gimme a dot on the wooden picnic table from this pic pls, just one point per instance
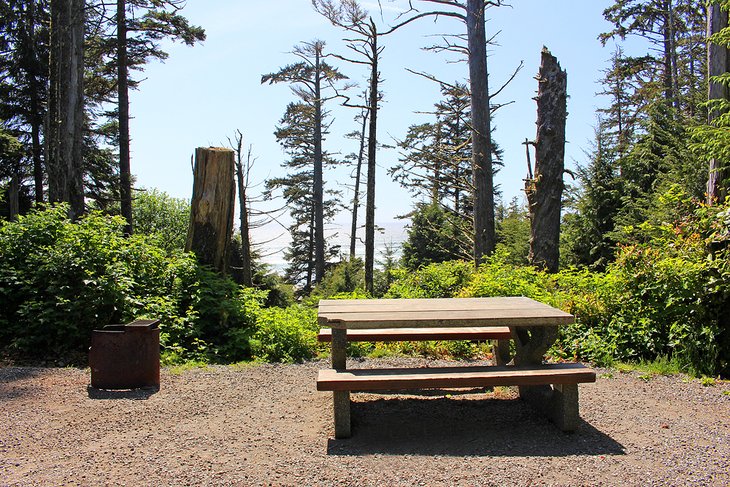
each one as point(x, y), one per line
point(532, 325)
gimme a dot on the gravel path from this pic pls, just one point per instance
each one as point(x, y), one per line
point(266, 425)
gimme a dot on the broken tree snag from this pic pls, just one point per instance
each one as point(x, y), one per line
point(545, 189)
point(212, 206)
point(718, 62)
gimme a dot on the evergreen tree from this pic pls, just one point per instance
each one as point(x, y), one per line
point(435, 166)
point(674, 30)
point(589, 231)
point(434, 236)
point(363, 41)
point(310, 78)
point(513, 232)
point(24, 55)
point(295, 134)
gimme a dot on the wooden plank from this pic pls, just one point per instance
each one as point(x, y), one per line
point(434, 319)
point(454, 312)
point(452, 377)
point(440, 304)
point(420, 334)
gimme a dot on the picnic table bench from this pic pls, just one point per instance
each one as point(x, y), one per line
point(552, 388)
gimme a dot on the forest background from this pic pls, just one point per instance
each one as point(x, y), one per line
point(643, 250)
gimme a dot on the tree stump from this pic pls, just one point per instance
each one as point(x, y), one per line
point(545, 190)
point(212, 206)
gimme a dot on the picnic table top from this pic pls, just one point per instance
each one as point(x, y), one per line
point(442, 312)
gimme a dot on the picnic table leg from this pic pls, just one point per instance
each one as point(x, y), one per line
point(558, 402)
point(532, 342)
point(501, 352)
point(341, 399)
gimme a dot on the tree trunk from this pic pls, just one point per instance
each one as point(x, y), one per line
point(14, 197)
point(673, 56)
point(318, 193)
point(358, 174)
point(246, 272)
point(717, 62)
point(484, 233)
point(66, 105)
point(667, 54)
point(212, 207)
point(310, 254)
point(36, 94)
point(372, 148)
point(125, 173)
point(545, 191)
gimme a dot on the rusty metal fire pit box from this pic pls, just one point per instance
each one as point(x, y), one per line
point(126, 356)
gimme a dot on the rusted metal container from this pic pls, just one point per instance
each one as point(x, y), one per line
point(126, 356)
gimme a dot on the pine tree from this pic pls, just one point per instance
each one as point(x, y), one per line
point(310, 79)
point(350, 16)
point(588, 235)
point(24, 76)
point(674, 30)
point(295, 134)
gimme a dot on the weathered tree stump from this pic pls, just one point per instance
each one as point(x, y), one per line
point(545, 190)
point(212, 206)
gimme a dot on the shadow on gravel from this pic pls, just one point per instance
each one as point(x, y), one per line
point(9, 375)
point(135, 394)
point(464, 427)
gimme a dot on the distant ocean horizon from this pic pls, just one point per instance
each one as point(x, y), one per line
point(272, 241)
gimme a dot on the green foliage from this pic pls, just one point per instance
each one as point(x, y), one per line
point(345, 277)
point(664, 296)
point(285, 334)
point(443, 280)
point(496, 277)
point(162, 218)
point(434, 236)
point(513, 232)
point(60, 280)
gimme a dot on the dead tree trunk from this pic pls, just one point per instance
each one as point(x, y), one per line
point(484, 232)
point(125, 172)
point(212, 207)
point(545, 190)
point(242, 180)
point(358, 175)
point(717, 62)
point(66, 105)
point(372, 149)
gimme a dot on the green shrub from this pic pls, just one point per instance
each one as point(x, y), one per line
point(285, 334)
point(495, 277)
point(444, 280)
point(59, 280)
point(161, 217)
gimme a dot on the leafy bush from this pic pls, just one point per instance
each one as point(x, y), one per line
point(161, 217)
point(443, 280)
point(285, 334)
point(498, 278)
point(666, 297)
point(59, 280)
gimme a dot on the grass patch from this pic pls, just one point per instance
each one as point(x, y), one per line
point(244, 365)
point(649, 369)
point(179, 369)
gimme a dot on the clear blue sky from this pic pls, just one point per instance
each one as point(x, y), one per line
point(201, 95)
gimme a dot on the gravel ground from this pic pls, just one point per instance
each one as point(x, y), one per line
point(266, 425)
